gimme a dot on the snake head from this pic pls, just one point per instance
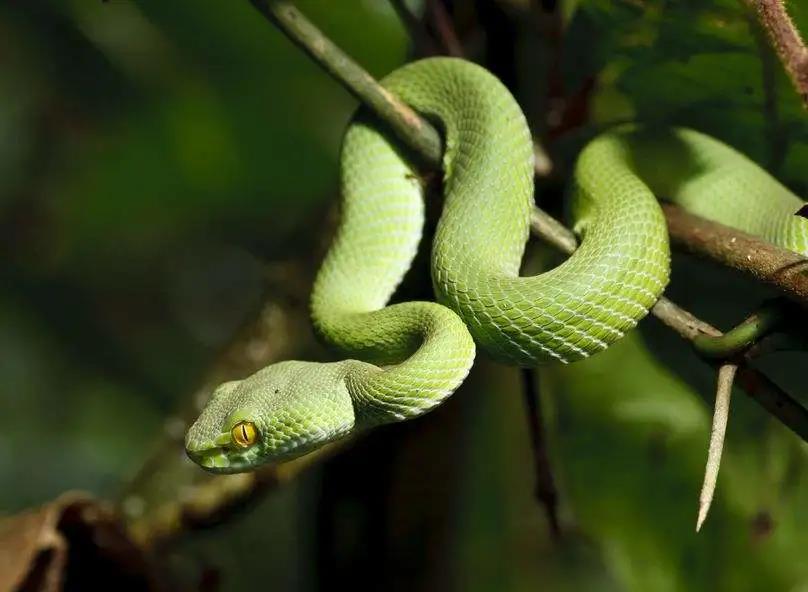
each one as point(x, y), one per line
point(278, 413)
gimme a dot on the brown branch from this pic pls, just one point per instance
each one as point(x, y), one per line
point(776, 135)
point(423, 43)
point(169, 495)
point(546, 492)
point(783, 269)
point(444, 28)
point(408, 126)
point(786, 40)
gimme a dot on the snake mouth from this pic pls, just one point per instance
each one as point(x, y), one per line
point(211, 458)
point(212, 455)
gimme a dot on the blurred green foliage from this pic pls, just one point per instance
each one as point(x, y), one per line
point(150, 153)
point(153, 155)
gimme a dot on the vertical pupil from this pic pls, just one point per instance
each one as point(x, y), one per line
point(244, 433)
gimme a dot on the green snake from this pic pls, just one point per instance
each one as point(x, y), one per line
point(404, 359)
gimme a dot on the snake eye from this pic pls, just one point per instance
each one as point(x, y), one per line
point(244, 434)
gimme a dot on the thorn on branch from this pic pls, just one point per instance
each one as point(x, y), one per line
point(726, 376)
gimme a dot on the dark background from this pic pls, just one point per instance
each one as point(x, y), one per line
point(166, 166)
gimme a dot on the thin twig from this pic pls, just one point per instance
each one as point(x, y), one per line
point(442, 22)
point(740, 344)
point(546, 491)
point(726, 376)
point(754, 382)
point(786, 40)
point(408, 126)
point(423, 43)
point(774, 400)
point(776, 133)
point(552, 231)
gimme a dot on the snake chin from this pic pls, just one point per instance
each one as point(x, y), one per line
point(216, 459)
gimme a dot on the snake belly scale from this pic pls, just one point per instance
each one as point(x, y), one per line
point(404, 359)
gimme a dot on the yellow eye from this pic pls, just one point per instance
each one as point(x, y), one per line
point(244, 434)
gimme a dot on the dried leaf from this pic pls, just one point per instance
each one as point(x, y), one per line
point(73, 542)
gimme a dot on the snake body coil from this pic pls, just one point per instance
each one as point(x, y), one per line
point(415, 354)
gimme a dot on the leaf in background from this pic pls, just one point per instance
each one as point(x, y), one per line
point(696, 64)
point(631, 446)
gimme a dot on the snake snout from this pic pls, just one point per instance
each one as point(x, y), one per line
point(205, 451)
point(210, 458)
point(214, 457)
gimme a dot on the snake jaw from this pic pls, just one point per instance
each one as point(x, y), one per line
point(214, 459)
point(211, 453)
point(215, 455)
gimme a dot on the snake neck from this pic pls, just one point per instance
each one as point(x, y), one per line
point(412, 357)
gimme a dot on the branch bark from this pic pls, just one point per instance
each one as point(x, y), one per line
point(545, 489)
point(169, 495)
point(786, 40)
point(780, 268)
point(407, 125)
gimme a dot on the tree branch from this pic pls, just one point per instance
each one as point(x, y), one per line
point(445, 30)
point(783, 269)
point(545, 489)
point(408, 126)
point(169, 495)
point(415, 29)
point(786, 40)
